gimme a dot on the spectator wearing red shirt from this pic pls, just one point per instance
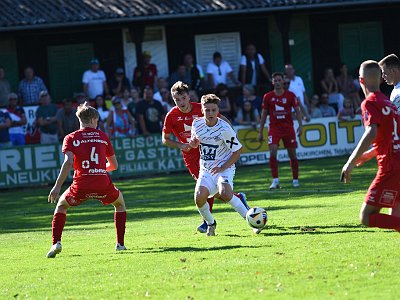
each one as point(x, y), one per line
point(145, 75)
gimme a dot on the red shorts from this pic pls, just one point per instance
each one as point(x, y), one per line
point(75, 196)
point(384, 190)
point(288, 136)
point(193, 168)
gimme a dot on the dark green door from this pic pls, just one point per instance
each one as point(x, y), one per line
point(8, 59)
point(359, 42)
point(66, 66)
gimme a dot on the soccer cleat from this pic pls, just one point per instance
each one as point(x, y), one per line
point(54, 250)
point(257, 230)
point(203, 227)
point(243, 198)
point(296, 183)
point(275, 185)
point(119, 247)
point(211, 229)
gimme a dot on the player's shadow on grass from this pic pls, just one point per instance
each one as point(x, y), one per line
point(311, 230)
point(196, 249)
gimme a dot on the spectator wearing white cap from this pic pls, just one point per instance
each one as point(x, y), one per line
point(94, 80)
point(18, 120)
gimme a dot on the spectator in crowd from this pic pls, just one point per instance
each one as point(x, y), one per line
point(101, 107)
point(347, 112)
point(303, 108)
point(296, 85)
point(252, 67)
point(179, 75)
point(135, 100)
point(120, 123)
point(119, 83)
point(46, 117)
point(150, 113)
point(94, 80)
point(145, 74)
point(218, 72)
point(325, 108)
point(195, 73)
point(194, 97)
point(167, 102)
point(225, 106)
point(80, 98)
point(248, 115)
point(18, 120)
point(5, 88)
point(161, 83)
point(313, 109)
point(30, 87)
point(330, 87)
point(347, 87)
point(135, 95)
point(5, 124)
point(67, 121)
point(248, 94)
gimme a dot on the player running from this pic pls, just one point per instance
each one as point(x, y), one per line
point(219, 150)
point(179, 123)
point(381, 120)
point(278, 105)
point(390, 66)
point(91, 154)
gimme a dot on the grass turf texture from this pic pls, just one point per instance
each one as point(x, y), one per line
point(314, 247)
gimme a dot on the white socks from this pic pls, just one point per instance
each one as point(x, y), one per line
point(206, 214)
point(238, 206)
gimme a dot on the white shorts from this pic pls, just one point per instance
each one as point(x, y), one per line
point(213, 182)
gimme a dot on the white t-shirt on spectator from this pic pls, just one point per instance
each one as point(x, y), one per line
point(243, 62)
point(395, 96)
point(297, 87)
point(220, 73)
point(94, 82)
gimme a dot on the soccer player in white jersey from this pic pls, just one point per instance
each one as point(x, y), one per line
point(390, 66)
point(219, 150)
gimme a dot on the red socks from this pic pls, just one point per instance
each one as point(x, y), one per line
point(294, 164)
point(384, 221)
point(273, 164)
point(120, 221)
point(57, 226)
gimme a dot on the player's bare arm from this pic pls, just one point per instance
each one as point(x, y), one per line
point(363, 145)
point(299, 118)
point(263, 119)
point(194, 142)
point(233, 159)
point(112, 163)
point(366, 156)
point(65, 168)
point(167, 141)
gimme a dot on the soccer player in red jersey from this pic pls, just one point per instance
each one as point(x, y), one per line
point(278, 105)
point(91, 154)
point(382, 131)
point(178, 122)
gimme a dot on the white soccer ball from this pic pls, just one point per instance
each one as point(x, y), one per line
point(257, 217)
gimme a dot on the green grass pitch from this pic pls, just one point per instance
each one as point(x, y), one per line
point(314, 247)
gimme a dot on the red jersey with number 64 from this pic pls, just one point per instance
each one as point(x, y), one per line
point(378, 109)
point(90, 147)
point(279, 108)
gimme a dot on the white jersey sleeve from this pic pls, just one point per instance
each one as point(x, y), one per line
point(230, 139)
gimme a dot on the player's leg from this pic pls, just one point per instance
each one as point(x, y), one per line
point(273, 164)
point(120, 221)
point(194, 170)
point(225, 184)
point(57, 225)
point(370, 216)
point(294, 164)
point(200, 197)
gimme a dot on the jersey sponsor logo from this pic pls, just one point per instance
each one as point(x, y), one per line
point(96, 171)
point(71, 200)
point(179, 119)
point(284, 100)
point(207, 151)
point(188, 118)
point(90, 134)
point(279, 108)
point(76, 143)
point(388, 197)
